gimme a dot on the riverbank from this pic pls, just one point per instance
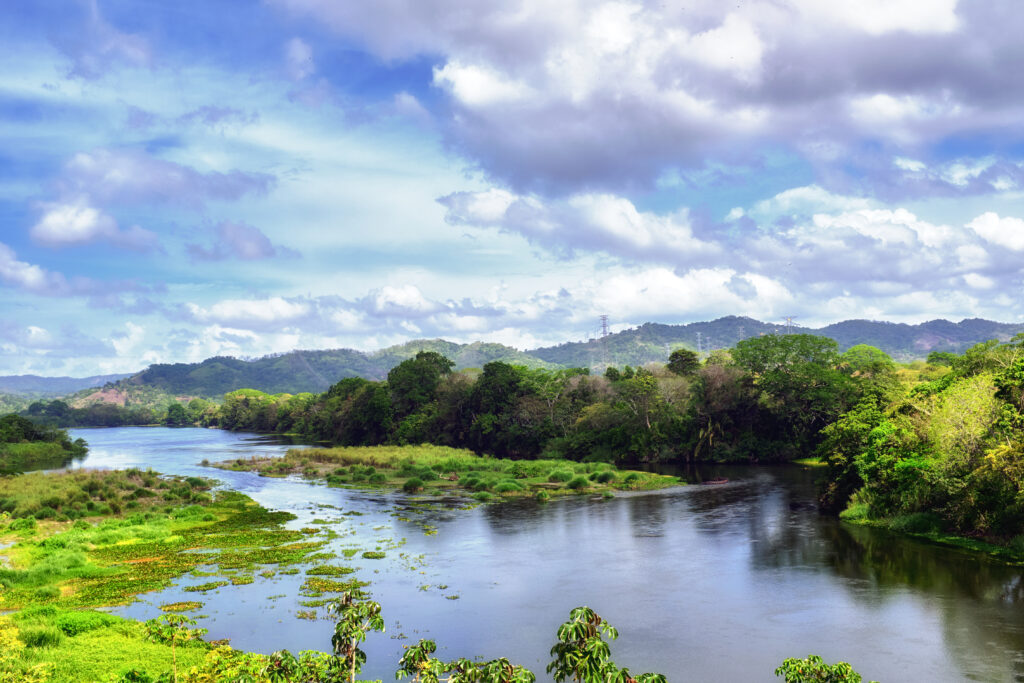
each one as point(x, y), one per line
point(926, 527)
point(79, 541)
point(439, 470)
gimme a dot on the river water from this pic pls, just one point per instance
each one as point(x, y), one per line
point(704, 583)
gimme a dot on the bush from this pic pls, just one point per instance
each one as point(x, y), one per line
point(631, 478)
point(40, 636)
point(560, 475)
point(542, 496)
point(578, 483)
point(507, 487)
point(917, 523)
point(73, 623)
point(482, 496)
point(604, 477)
point(413, 485)
point(23, 524)
point(378, 478)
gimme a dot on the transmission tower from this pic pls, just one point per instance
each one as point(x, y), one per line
point(604, 326)
point(789, 324)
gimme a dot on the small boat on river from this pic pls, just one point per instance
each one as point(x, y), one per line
point(710, 482)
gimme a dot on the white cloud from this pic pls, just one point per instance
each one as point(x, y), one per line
point(65, 224)
point(1006, 232)
point(250, 313)
point(478, 85)
point(586, 221)
point(28, 276)
point(884, 16)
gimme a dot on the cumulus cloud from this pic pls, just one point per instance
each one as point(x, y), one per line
point(251, 314)
point(582, 222)
point(602, 94)
point(74, 223)
point(238, 241)
point(30, 277)
point(1004, 232)
point(813, 244)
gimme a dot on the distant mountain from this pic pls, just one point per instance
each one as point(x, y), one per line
point(313, 371)
point(52, 386)
point(652, 342)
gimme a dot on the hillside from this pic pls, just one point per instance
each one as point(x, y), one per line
point(299, 371)
point(315, 371)
point(653, 341)
point(34, 385)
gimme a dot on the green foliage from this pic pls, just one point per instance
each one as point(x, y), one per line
point(684, 362)
point(813, 669)
point(356, 618)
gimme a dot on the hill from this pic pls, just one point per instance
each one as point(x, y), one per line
point(34, 385)
point(300, 371)
point(652, 342)
point(314, 371)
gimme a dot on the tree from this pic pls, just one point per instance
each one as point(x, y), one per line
point(814, 670)
point(684, 362)
point(356, 619)
point(582, 654)
point(173, 629)
point(177, 416)
point(413, 383)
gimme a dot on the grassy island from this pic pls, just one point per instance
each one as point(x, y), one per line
point(440, 470)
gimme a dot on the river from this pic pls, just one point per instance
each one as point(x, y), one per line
point(704, 583)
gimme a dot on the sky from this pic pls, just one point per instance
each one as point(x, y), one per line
point(180, 180)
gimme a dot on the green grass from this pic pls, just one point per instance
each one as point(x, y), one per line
point(97, 645)
point(809, 462)
point(110, 561)
point(438, 469)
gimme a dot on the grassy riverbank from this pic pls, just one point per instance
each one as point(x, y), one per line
point(438, 470)
point(928, 527)
point(81, 540)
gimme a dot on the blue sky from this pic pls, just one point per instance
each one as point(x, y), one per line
point(181, 180)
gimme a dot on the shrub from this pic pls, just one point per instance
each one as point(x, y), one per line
point(45, 512)
point(631, 478)
point(507, 487)
point(542, 496)
point(560, 475)
point(73, 623)
point(482, 496)
point(378, 478)
point(40, 636)
point(604, 477)
point(412, 485)
point(917, 523)
point(577, 483)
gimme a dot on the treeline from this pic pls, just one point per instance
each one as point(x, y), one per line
point(58, 413)
point(940, 456)
point(764, 400)
point(25, 445)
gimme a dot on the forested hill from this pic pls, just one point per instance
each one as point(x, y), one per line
point(310, 371)
point(315, 371)
point(35, 385)
point(652, 342)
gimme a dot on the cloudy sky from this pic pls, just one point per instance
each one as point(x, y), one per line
point(192, 178)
